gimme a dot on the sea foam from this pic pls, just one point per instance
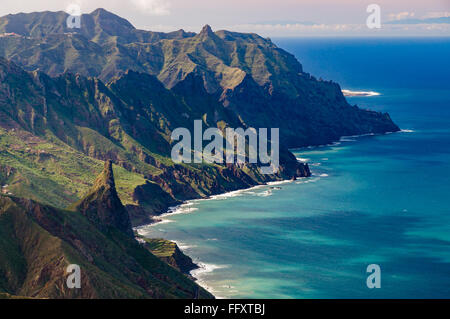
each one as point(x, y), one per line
point(360, 93)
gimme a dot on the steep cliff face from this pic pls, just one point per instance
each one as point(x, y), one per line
point(39, 242)
point(55, 132)
point(102, 205)
point(72, 99)
point(261, 83)
point(170, 253)
point(316, 114)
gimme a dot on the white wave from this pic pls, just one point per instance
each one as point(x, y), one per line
point(307, 181)
point(229, 194)
point(239, 192)
point(303, 160)
point(228, 286)
point(324, 145)
point(407, 131)
point(315, 164)
point(264, 194)
point(183, 246)
point(164, 221)
point(356, 136)
point(360, 93)
point(184, 208)
point(201, 271)
point(348, 138)
point(323, 175)
point(140, 240)
point(205, 268)
point(279, 182)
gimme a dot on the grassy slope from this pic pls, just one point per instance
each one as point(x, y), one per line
point(42, 241)
point(55, 173)
point(170, 253)
point(54, 131)
point(160, 247)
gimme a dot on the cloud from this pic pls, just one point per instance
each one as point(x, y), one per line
point(401, 15)
point(437, 14)
point(293, 29)
point(272, 30)
point(153, 7)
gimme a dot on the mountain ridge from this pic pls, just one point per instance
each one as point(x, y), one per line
point(102, 205)
point(225, 61)
point(40, 242)
point(63, 126)
point(103, 101)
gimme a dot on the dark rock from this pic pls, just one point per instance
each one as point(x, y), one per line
point(102, 205)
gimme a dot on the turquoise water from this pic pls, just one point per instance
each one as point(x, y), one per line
point(372, 200)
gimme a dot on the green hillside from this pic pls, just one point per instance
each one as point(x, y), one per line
point(72, 100)
point(55, 133)
point(40, 241)
point(262, 84)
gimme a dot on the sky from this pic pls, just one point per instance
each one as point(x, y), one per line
point(266, 17)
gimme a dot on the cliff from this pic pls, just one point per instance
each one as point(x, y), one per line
point(72, 99)
point(39, 242)
point(170, 253)
point(56, 133)
point(102, 205)
point(259, 82)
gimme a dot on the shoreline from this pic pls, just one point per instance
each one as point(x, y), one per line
point(349, 138)
point(181, 208)
point(202, 267)
point(172, 210)
point(350, 93)
point(178, 209)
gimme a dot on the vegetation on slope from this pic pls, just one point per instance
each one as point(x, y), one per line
point(55, 131)
point(262, 84)
point(169, 252)
point(40, 241)
point(59, 122)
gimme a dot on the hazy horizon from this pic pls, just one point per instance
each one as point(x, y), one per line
point(288, 18)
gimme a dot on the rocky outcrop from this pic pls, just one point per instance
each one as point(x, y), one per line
point(102, 206)
point(262, 84)
point(40, 241)
point(129, 122)
point(151, 200)
point(170, 253)
point(181, 261)
point(156, 85)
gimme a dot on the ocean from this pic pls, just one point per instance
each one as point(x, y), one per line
point(381, 199)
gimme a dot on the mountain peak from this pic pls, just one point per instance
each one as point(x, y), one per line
point(113, 20)
point(102, 205)
point(99, 11)
point(106, 177)
point(206, 31)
